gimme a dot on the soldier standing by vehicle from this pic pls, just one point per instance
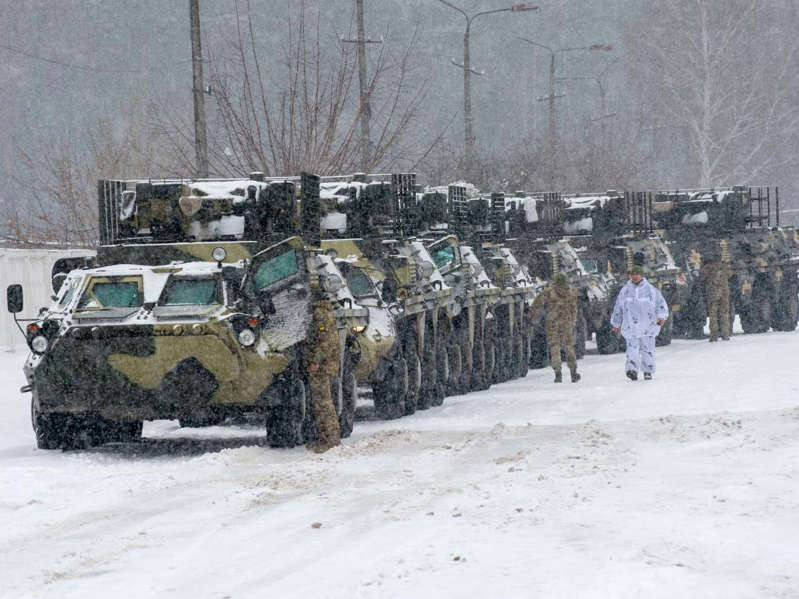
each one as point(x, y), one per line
point(559, 304)
point(716, 277)
point(639, 312)
point(321, 360)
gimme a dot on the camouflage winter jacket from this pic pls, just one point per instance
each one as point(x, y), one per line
point(716, 277)
point(559, 306)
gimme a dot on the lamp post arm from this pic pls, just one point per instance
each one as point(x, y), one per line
point(531, 42)
point(453, 7)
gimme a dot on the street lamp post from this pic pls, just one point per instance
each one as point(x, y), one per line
point(468, 118)
point(551, 95)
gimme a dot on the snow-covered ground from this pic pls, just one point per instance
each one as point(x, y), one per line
point(685, 486)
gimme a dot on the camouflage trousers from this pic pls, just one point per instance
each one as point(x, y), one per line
point(328, 433)
point(718, 312)
point(640, 354)
point(561, 338)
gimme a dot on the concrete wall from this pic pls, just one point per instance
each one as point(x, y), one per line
point(31, 268)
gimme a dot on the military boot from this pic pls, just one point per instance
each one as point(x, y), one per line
point(713, 339)
point(725, 338)
point(632, 375)
point(575, 376)
point(647, 376)
point(558, 376)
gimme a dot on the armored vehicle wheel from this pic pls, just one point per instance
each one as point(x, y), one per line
point(606, 340)
point(786, 309)
point(478, 381)
point(284, 421)
point(692, 315)
point(757, 317)
point(50, 429)
point(580, 337)
point(525, 366)
point(439, 391)
point(429, 376)
point(456, 363)
point(664, 337)
point(390, 395)
point(519, 357)
point(414, 386)
point(538, 350)
point(349, 389)
point(499, 364)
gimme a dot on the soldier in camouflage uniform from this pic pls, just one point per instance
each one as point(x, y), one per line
point(716, 277)
point(558, 302)
point(321, 360)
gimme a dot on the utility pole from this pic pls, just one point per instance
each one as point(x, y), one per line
point(200, 137)
point(367, 151)
point(468, 118)
point(552, 96)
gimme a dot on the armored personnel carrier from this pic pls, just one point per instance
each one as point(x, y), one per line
point(192, 341)
point(738, 225)
point(475, 295)
point(192, 356)
point(538, 226)
point(368, 223)
point(501, 341)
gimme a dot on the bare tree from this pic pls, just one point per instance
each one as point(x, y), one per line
point(303, 113)
point(723, 73)
point(60, 182)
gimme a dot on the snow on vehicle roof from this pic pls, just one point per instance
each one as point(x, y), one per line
point(223, 189)
point(340, 189)
point(528, 203)
point(582, 202)
point(472, 191)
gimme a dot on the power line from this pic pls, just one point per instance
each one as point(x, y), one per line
point(76, 67)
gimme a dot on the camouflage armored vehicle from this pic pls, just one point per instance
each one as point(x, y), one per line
point(735, 225)
point(367, 221)
point(539, 230)
point(475, 295)
point(502, 337)
point(197, 357)
point(510, 313)
point(192, 341)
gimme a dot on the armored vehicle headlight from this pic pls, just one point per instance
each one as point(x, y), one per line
point(360, 328)
point(39, 344)
point(219, 254)
point(427, 269)
point(332, 283)
point(247, 337)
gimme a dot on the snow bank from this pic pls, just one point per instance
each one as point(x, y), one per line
point(686, 488)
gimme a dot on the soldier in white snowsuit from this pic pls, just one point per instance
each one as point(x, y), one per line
point(639, 312)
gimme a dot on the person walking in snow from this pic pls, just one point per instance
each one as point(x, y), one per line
point(639, 312)
point(559, 305)
point(716, 276)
